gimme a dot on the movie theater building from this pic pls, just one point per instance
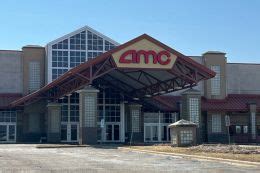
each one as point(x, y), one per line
point(86, 88)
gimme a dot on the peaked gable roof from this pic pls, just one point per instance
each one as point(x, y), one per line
point(66, 36)
point(207, 73)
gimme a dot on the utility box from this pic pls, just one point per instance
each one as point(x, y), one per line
point(183, 133)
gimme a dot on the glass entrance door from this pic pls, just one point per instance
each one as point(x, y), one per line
point(151, 133)
point(112, 132)
point(165, 133)
point(3, 133)
point(69, 132)
point(7, 132)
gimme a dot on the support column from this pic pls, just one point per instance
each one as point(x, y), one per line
point(122, 122)
point(88, 115)
point(54, 118)
point(19, 125)
point(252, 123)
point(135, 114)
point(191, 111)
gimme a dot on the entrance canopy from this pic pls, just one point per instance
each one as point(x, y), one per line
point(140, 68)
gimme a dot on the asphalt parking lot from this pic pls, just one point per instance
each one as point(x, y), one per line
point(28, 158)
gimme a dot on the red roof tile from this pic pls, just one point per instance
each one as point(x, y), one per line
point(233, 102)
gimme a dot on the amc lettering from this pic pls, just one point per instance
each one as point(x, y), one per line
point(162, 57)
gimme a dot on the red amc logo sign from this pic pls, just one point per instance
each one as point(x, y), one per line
point(144, 54)
point(146, 57)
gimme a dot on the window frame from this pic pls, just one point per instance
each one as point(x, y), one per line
point(216, 81)
point(34, 76)
point(194, 110)
point(216, 126)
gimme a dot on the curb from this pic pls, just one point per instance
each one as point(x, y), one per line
point(193, 156)
point(59, 146)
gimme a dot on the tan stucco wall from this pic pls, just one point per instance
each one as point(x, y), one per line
point(210, 59)
point(29, 54)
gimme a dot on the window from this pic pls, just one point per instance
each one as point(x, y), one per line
point(238, 130)
point(7, 125)
point(7, 116)
point(74, 98)
point(245, 129)
point(151, 117)
point(258, 130)
point(70, 108)
point(78, 41)
point(112, 113)
point(253, 129)
point(174, 138)
point(108, 46)
point(109, 105)
point(61, 45)
point(59, 58)
point(95, 45)
point(168, 117)
point(34, 76)
point(215, 82)
point(77, 58)
point(94, 42)
point(89, 114)
point(74, 113)
point(92, 54)
point(194, 110)
point(58, 72)
point(241, 129)
point(216, 123)
point(135, 120)
point(64, 113)
point(186, 136)
point(76, 49)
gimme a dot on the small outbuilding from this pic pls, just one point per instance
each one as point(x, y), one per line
point(183, 133)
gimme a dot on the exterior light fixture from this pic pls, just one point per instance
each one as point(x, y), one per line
point(162, 92)
point(135, 98)
point(148, 95)
point(178, 88)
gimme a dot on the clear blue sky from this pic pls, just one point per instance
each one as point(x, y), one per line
point(189, 26)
